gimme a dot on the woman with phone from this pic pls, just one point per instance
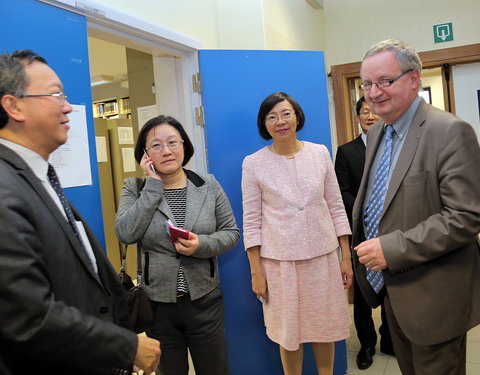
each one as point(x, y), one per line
point(294, 225)
point(182, 221)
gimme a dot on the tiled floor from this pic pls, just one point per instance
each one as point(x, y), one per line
point(387, 365)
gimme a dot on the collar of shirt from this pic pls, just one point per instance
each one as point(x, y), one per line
point(37, 164)
point(364, 138)
point(402, 125)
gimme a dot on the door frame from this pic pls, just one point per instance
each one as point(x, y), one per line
point(342, 73)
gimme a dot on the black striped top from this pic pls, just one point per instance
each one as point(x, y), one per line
point(177, 201)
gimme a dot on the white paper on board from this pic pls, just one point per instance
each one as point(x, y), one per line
point(72, 160)
point(125, 135)
point(146, 113)
point(128, 159)
point(101, 144)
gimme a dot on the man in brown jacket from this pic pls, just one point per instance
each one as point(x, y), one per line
point(415, 229)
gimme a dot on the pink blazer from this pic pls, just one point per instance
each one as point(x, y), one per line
point(288, 219)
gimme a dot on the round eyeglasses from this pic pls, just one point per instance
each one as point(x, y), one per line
point(158, 147)
point(273, 119)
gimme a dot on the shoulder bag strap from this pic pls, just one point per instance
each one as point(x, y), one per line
point(140, 185)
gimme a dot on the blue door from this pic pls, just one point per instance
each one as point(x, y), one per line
point(234, 85)
point(59, 36)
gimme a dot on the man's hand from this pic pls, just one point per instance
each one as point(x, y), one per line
point(148, 354)
point(370, 254)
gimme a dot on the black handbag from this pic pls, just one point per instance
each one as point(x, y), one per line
point(139, 307)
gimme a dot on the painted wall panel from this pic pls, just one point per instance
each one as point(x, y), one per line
point(234, 85)
point(61, 37)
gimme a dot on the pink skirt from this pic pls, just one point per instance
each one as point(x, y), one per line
point(306, 301)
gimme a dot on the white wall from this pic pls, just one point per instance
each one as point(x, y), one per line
point(292, 24)
point(467, 83)
point(235, 24)
point(345, 29)
point(352, 26)
point(216, 23)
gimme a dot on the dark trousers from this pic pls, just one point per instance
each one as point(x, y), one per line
point(447, 358)
point(193, 325)
point(362, 317)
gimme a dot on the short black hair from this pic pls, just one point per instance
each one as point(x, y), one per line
point(13, 79)
point(160, 120)
point(271, 101)
point(359, 105)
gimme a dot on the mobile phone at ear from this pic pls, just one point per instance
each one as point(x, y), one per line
point(151, 165)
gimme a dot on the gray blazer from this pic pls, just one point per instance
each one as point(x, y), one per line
point(57, 316)
point(429, 228)
point(208, 214)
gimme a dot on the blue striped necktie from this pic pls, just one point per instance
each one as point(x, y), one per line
point(55, 182)
point(373, 212)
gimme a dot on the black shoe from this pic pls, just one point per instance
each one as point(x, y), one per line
point(365, 357)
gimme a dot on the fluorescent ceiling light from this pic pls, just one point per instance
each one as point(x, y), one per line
point(101, 79)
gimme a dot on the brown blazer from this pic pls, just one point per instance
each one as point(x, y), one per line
point(429, 228)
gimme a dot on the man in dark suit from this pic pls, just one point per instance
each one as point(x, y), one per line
point(62, 307)
point(349, 164)
point(417, 217)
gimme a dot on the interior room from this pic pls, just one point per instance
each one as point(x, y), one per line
point(148, 58)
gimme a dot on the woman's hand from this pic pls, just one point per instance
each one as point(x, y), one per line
point(347, 272)
point(346, 262)
point(146, 163)
point(187, 247)
point(259, 287)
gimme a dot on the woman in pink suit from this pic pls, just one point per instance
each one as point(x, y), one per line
point(294, 223)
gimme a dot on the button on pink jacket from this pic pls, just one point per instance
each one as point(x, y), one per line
point(288, 219)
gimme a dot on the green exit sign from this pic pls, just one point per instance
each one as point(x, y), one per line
point(443, 32)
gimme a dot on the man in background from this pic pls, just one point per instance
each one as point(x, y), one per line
point(62, 307)
point(417, 216)
point(349, 164)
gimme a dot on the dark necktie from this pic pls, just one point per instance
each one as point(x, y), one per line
point(373, 212)
point(55, 182)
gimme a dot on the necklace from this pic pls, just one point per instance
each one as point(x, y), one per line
point(289, 156)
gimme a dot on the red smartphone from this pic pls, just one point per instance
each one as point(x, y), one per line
point(176, 232)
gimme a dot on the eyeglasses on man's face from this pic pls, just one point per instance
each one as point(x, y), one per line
point(158, 147)
point(366, 112)
point(273, 119)
point(61, 97)
point(383, 83)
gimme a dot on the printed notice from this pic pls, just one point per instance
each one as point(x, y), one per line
point(101, 144)
point(72, 160)
point(146, 113)
point(125, 135)
point(128, 159)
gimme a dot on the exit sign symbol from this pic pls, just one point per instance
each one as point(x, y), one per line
point(443, 32)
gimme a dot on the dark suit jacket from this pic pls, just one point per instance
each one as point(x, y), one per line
point(57, 316)
point(429, 228)
point(349, 164)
